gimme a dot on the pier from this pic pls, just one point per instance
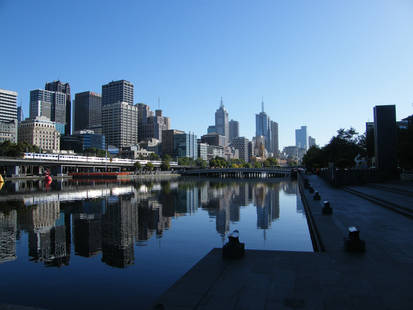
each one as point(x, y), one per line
point(330, 277)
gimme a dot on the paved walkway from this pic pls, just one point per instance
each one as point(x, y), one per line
point(378, 279)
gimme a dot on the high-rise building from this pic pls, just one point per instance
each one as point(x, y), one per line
point(233, 130)
point(263, 127)
point(20, 115)
point(50, 104)
point(213, 139)
point(301, 137)
point(8, 116)
point(117, 91)
point(120, 124)
point(185, 145)
point(221, 122)
point(144, 112)
point(154, 125)
point(311, 141)
point(88, 111)
point(211, 129)
point(168, 141)
point(40, 131)
point(202, 150)
point(64, 88)
point(385, 138)
point(241, 144)
point(274, 138)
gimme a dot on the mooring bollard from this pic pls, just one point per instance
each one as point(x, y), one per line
point(327, 210)
point(316, 196)
point(353, 243)
point(233, 248)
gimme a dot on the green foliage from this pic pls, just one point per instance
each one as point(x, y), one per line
point(165, 166)
point(270, 162)
point(149, 166)
point(10, 149)
point(94, 152)
point(153, 156)
point(137, 165)
point(218, 162)
point(166, 157)
point(201, 163)
point(258, 164)
point(186, 161)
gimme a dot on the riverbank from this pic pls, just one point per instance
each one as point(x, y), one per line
point(330, 279)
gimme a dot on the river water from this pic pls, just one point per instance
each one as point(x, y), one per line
point(72, 245)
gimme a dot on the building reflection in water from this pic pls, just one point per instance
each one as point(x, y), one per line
point(109, 220)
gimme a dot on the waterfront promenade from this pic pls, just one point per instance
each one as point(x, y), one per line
point(330, 279)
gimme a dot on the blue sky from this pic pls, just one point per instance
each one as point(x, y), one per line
point(324, 64)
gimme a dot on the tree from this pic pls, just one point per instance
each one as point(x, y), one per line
point(137, 165)
point(201, 163)
point(149, 166)
point(165, 165)
point(154, 156)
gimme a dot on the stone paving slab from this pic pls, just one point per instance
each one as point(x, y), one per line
point(380, 278)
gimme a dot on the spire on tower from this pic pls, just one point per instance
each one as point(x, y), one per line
point(222, 103)
point(262, 104)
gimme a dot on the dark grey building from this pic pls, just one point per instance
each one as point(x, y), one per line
point(117, 91)
point(50, 104)
point(64, 88)
point(213, 139)
point(88, 111)
point(233, 130)
point(385, 138)
point(274, 138)
point(241, 144)
point(20, 115)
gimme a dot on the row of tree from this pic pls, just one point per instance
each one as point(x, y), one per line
point(347, 144)
point(11, 149)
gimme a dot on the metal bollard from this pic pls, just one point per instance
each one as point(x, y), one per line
point(233, 248)
point(316, 196)
point(353, 243)
point(327, 210)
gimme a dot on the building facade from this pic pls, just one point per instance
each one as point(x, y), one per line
point(168, 141)
point(49, 104)
point(202, 150)
point(64, 88)
point(301, 137)
point(120, 124)
point(213, 139)
point(154, 125)
point(40, 131)
point(275, 149)
point(263, 128)
point(83, 140)
point(88, 112)
point(185, 145)
point(8, 116)
point(117, 91)
point(20, 114)
point(233, 130)
point(221, 122)
point(311, 141)
point(241, 144)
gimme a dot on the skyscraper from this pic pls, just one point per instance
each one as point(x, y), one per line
point(241, 144)
point(50, 104)
point(221, 122)
point(144, 112)
point(274, 138)
point(88, 111)
point(301, 137)
point(8, 115)
point(233, 130)
point(263, 127)
point(117, 91)
point(20, 115)
point(154, 125)
point(311, 141)
point(120, 124)
point(185, 145)
point(64, 88)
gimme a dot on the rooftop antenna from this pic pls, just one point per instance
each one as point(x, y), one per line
point(262, 104)
point(222, 103)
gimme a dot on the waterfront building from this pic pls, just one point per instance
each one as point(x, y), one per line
point(202, 150)
point(49, 104)
point(168, 141)
point(241, 144)
point(120, 124)
point(233, 130)
point(88, 111)
point(117, 91)
point(274, 138)
point(39, 131)
point(385, 138)
point(135, 152)
point(83, 140)
point(215, 151)
point(144, 112)
point(221, 122)
point(230, 153)
point(213, 139)
point(311, 141)
point(64, 88)
point(8, 115)
point(301, 137)
point(185, 145)
point(263, 127)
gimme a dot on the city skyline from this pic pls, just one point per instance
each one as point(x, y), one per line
point(301, 67)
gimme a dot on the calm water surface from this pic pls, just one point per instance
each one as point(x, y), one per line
point(112, 245)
